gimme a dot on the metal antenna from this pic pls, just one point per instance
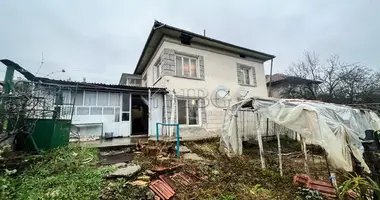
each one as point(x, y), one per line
point(42, 62)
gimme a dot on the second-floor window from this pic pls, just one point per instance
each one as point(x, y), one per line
point(186, 66)
point(246, 75)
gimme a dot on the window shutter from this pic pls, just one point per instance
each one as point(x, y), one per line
point(254, 83)
point(201, 68)
point(239, 75)
point(203, 111)
point(154, 74)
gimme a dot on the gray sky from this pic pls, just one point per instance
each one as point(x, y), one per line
point(101, 39)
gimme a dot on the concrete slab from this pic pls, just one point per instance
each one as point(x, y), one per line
point(183, 149)
point(132, 141)
point(187, 137)
point(192, 156)
point(127, 171)
point(115, 142)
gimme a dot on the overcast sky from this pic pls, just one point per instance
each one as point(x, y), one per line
point(100, 40)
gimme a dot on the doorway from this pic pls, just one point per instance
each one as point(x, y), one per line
point(140, 119)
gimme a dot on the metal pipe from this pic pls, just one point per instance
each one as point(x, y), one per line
point(149, 113)
point(270, 79)
point(166, 114)
point(279, 150)
point(177, 141)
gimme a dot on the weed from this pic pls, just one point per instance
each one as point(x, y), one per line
point(7, 185)
point(227, 197)
point(362, 186)
point(64, 173)
point(307, 194)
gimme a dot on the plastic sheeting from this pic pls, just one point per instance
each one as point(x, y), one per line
point(335, 128)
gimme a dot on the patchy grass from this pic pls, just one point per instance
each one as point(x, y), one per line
point(121, 189)
point(69, 172)
point(74, 173)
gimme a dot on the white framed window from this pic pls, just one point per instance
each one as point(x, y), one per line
point(186, 66)
point(188, 111)
point(125, 107)
point(100, 103)
point(132, 81)
point(246, 75)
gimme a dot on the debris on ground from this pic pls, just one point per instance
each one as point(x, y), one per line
point(127, 171)
point(144, 178)
point(205, 173)
point(325, 188)
point(162, 189)
point(140, 183)
point(192, 156)
point(183, 149)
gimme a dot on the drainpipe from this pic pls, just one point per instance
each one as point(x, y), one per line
point(166, 114)
point(270, 79)
point(149, 114)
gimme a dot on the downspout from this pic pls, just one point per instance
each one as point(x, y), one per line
point(270, 79)
point(166, 115)
point(174, 103)
point(149, 114)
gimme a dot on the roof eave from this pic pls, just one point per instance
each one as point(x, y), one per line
point(158, 25)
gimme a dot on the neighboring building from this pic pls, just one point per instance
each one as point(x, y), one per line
point(96, 109)
point(281, 82)
point(131, 79)
point(191, 67)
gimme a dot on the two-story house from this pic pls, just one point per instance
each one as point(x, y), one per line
point(192, 67)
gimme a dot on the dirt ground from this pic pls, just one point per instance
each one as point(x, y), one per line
point(221, 177)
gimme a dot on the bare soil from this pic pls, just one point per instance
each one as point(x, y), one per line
point(221, 177)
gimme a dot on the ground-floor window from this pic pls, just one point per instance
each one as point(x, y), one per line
point(188, 111)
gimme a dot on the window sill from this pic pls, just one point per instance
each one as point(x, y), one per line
point(246, 85)
point(189, 126)
point(189, 77)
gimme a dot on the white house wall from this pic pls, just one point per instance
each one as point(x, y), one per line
point(220, 68)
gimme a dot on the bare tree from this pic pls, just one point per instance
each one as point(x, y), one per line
point(340, 82)
point(307, 68)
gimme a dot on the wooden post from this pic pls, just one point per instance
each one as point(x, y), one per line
point(279, 149)
point(261, 143)
point(303, 143)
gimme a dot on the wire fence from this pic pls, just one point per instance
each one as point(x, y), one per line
point(32, 101)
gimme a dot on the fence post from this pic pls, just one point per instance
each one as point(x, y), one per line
point(157, 135)
point(177, 140)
